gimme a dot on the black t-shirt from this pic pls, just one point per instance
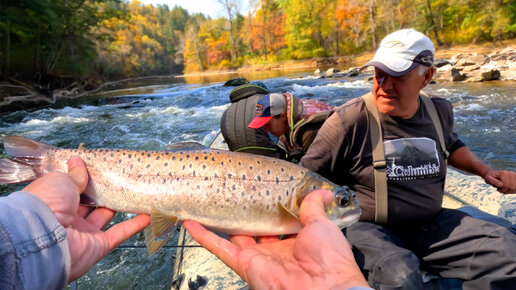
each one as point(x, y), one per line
point(416, 169)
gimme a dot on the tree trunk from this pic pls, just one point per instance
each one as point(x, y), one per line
point(336, 21)
point(7, 51)
point(263, 38)
point(38, 49)
point(372, 18)
point(430, 17)
point(229, 8)
point(198, 54)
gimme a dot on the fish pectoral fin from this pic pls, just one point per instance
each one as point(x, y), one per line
point(153, 245)
point(286, 212)
point(162, 224)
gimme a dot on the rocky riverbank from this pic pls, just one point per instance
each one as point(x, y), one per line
point(463, 66)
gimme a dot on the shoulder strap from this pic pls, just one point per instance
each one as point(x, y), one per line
point(298, 130)
point(379, 163)
point(430, 107)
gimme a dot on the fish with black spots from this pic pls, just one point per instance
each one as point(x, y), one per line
point(230, 192)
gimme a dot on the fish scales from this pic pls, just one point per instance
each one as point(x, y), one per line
point(232, 192)
point(221, 182)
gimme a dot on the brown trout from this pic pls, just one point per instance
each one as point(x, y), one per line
point(230, 192)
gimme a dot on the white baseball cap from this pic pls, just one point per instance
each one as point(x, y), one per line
point(401, 51)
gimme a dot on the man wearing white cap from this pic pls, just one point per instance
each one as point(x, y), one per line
point(392, 147)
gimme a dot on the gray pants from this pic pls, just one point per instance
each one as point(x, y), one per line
point(453, 245)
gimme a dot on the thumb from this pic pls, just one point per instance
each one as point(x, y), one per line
point(312, 207)
point(78, 172)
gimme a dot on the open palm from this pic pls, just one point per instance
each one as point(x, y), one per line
point(317, 257)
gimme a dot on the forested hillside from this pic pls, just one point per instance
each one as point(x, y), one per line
point(107, 39)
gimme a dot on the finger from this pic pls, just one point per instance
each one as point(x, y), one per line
point(119, 233)
point(267, 239)
point(508, 178)
point(496, 179)
point(222, 248)
point(78, 172)
point(243, 241)
point(84, 210)
point(100, 217)
point(312, 207)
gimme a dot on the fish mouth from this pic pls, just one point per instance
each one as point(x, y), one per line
point(348, 218)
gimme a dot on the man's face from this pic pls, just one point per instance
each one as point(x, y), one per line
point(277, 126)
point(398, 96)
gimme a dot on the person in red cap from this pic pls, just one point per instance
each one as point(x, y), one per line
point(294, 121)
point(271, 115)
point(392, 146)
point(234, 121)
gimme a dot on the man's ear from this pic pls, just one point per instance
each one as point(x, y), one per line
point(429, 74)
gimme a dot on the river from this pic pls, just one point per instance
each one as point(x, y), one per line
point(151, 113)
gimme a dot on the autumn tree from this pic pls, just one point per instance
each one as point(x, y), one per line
point(308, 27)
point(194, 50)
point(263, 31)
point(231, 10)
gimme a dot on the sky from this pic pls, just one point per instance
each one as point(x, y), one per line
point(208, 7)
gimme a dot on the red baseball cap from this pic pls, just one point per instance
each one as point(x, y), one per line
point(268, 106)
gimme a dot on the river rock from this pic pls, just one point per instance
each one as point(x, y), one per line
point(473, 67)
point(490, 75)
point(472, 59)
point(483, 75)
point(440, 62)
point(235, 82)
point(452, 75)
point(331, 71)
point(508, 75)
point(353, 72)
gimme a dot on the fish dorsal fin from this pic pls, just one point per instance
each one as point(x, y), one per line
point(286, 212)
point(82, 147)
point(162, 223)
point(186, 146)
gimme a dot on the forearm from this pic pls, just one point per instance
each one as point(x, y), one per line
point(34, 247)
point(465, 160)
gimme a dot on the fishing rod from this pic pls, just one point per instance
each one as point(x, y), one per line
point(457, 199)
point(143, 246)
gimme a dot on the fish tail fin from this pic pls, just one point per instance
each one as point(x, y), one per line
point(24, 161)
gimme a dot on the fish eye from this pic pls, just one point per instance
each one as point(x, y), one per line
point(343, 200)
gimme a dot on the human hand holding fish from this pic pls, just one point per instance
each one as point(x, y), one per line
point(86, 240)
point(318, 257)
